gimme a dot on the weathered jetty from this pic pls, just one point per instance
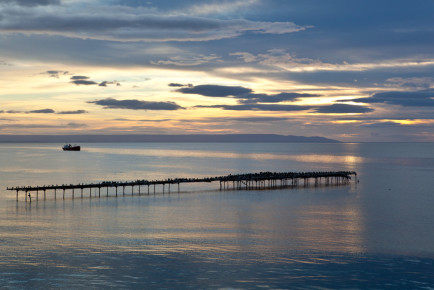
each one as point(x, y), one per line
point(262, 180)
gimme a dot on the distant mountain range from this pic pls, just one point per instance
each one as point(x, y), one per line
point(270, 138)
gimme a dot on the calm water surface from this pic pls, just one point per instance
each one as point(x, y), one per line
point(375, 234)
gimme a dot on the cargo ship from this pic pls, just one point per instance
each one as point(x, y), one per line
point(69, 147)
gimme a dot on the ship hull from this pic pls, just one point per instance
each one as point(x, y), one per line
point(72, 148)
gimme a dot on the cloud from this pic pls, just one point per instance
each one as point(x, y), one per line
point(76, 125)
point(31, 2)
point(225, 7)
point(277, 98)
point(55, 73)
point(73, 112)
point(260, 107)
point(42, 126)
point(43, 111)
point(84, 80)
point(79, 78)
point(414, 83)
point(122, 23)
point(215, 90)
point(187, 60)
point(290, 62)
point(258, 119)
point(3, 62)
point(424, 98)
point(111, 103)
point(179, 85)
point(343, 109)
point(49, 111)
point(105, 83)
point(242, 94)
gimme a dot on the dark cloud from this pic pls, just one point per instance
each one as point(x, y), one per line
point(79, 78)
point(258, 119)
point(13, 112)
point(43, 111)
point(244, 95)
point(76, 125)
point(143, 120)
point(216, 90)
point(105, 83)
point(73, 112)
point(158, 120)
point(260, 107)
point(423, 98)
point(342, 109)
point(42, 126)
point(32, 2)
point(277, 98)
point(84, 82)
point(111, 103)
point(56, 73)
point(180, 85)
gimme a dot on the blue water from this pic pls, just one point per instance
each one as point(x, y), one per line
point(375, 234)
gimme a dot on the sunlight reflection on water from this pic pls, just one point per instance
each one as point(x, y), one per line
point(311, 158)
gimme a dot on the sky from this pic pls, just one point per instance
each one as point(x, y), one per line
point(354, 71)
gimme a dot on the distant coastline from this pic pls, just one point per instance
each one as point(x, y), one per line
point(212, 138)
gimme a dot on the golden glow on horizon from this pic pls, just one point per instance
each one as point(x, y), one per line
point(27, 87)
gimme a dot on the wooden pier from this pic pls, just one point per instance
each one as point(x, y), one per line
point(248, 181)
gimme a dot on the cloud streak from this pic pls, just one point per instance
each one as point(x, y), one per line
point(285, 60)
point(423, 98)
point(31, 3)
point(110, 103)
point(77, 112)
point(242, 94)
point(43, 111)
point(130, 24)
point(260, 107)
point(343, 109)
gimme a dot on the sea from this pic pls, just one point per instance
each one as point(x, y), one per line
point(377, 232)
